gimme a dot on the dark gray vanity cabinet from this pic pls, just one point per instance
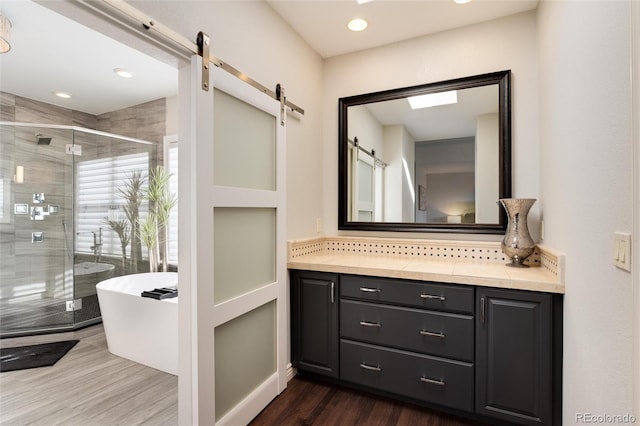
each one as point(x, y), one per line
point(515, 355)
point(487, 353)
point(412, 339)
point(314, 322)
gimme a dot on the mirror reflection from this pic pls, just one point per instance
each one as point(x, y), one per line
point(428, 157)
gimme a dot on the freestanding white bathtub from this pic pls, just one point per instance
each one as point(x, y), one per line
point(138, 328)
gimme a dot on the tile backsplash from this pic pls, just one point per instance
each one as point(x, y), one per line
point(439, 250)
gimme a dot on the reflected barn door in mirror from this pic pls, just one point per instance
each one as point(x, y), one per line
point(431, 158)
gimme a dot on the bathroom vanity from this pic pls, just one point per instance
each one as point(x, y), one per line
point(440, 324)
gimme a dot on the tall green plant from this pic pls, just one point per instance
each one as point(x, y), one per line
point(161, 201)
point(148, 230)
point(133, 192)
point(122, 227)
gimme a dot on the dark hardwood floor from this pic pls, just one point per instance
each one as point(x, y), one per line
point(307, 402)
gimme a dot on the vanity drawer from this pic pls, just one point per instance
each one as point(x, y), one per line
point(440, 381)
point(429, 332)
point(419, 294)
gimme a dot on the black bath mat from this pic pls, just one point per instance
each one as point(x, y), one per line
point(33, 356)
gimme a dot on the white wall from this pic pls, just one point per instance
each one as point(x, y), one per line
point(364, 126)
point(586, 176)
point(393, 185)
point(172, 115)
point(409, 197)
point(487, 179)
point(508, 43)
point(399, 175)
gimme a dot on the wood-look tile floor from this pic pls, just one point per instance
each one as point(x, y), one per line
point(88, 386)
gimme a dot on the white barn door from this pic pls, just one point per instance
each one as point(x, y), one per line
point(240, 254)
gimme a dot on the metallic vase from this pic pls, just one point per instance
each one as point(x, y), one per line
point(517, 242)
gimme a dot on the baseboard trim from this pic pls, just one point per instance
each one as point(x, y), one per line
point(291, 372)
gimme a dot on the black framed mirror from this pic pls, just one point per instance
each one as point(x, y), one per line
point(428, 158)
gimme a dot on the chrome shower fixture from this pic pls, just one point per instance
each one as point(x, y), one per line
point(43, 140)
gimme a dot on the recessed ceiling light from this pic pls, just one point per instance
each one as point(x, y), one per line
point(357, 24)
point(63, 95)
point(433, 99)
point(462, 1)
point(122, 72)
point(363, 1)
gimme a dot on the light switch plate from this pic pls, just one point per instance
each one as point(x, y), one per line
point(622, 250)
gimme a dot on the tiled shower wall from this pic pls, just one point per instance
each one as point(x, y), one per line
point(38, 270)
point(145, 121)
point(35, 269)
point(23, 110)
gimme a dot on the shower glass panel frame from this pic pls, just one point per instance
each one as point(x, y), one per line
point(59, 187)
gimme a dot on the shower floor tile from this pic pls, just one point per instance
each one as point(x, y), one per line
point(44, 314)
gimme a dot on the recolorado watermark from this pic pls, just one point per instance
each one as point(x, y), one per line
point(587, 418)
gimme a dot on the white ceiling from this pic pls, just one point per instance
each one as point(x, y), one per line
point(444, 122)
point(323, 23)
point(50, 52)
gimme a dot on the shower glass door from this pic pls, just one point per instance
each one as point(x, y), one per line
point(36, 228)
point(105, 167)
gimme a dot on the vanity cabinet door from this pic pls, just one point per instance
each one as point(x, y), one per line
point(314, 322)
point(514, 356)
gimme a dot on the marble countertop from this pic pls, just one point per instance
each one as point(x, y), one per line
point(499, 275)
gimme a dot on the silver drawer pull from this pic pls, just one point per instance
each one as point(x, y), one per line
point(430, 381)
point(433, 297)
point(370, 290)
point(432, 334)
point(370, 324)
point(370, 367)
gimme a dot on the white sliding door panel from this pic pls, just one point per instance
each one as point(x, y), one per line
point(244, 250)
point(251, 358)
point(246, 138)
point(241, 250)
point(363, 202)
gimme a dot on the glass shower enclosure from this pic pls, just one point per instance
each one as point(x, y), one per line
point(64, 225)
